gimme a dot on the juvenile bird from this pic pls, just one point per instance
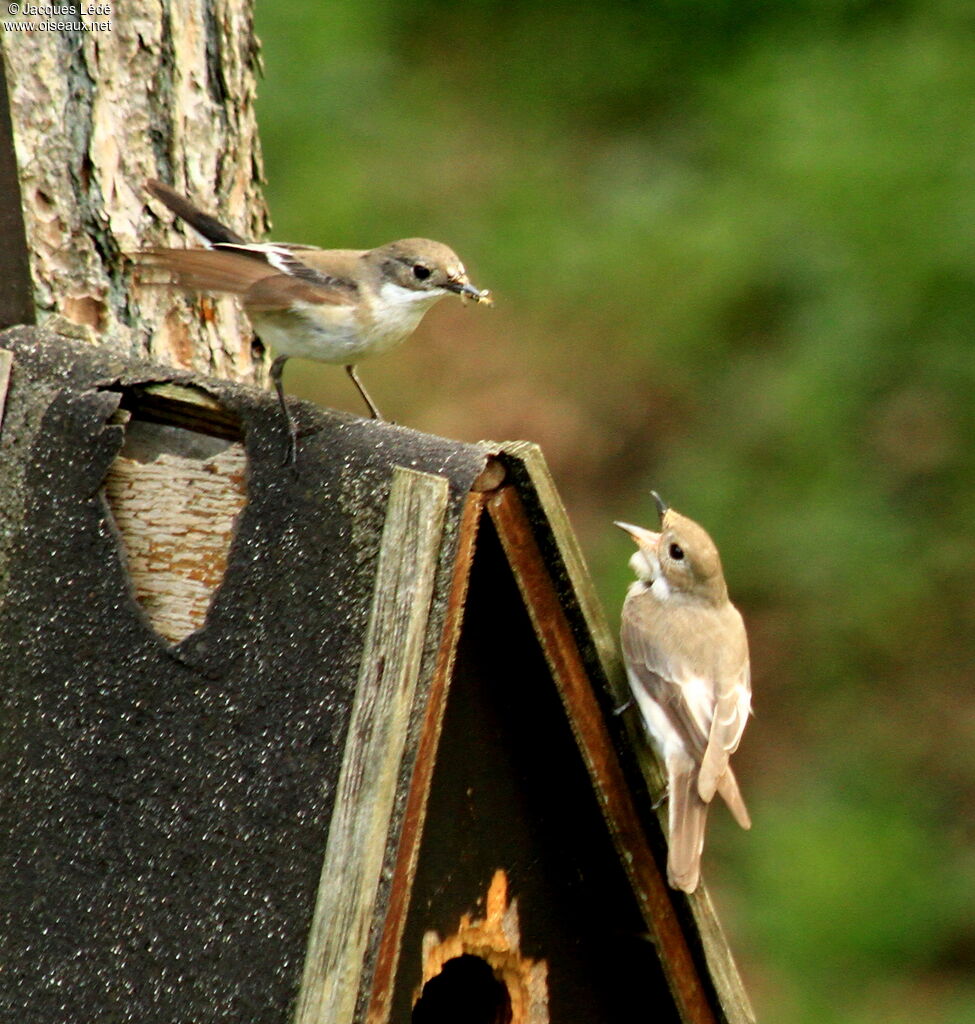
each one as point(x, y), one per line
point(686, 656)
point(333, 305)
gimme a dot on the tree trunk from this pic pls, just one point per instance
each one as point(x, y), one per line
point(161, 90)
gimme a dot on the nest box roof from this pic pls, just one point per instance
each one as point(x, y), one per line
point(311, 744)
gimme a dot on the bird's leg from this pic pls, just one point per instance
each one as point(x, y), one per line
point(662, 799)
point(373, 408)
point(277, 368)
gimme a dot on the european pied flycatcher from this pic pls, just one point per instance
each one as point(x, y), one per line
point(686, 656)
point(333, 305)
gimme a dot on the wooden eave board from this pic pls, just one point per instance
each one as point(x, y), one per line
point(571, 636)
point(507, 791)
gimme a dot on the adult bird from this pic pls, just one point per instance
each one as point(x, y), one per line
point(334, 305)
point(686, 655)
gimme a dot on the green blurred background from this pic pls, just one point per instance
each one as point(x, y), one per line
point(733, 250)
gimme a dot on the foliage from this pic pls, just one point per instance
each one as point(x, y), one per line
point(733, 246)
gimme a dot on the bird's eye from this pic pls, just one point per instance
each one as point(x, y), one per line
point(676, 552)
point(420, 272)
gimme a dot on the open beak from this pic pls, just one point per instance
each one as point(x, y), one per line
point(642, 537)
point(466, 290)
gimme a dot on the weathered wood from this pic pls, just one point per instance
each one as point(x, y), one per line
point(510, 790)
point(180, 405)
point(414, 820)
point(201, 779)
point(176, 517)
point(533, 466)
point(538, 485)
point(6, 362)
point(492, 476)
point(16, 293)
point(160, 90)
point(371, 764)
point(494, 938)
point(414, 816)
point(723, 970)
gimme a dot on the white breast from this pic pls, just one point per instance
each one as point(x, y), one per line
point(330, 334)
point(660, 588)
point(341, 333)
point(396, 313)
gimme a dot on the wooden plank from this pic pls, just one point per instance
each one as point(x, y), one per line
point(183, 394)
point(414, 816)
point(182, 405)
point(16, 286)
point(175, 500)
point(534, 471)
point(730, 991)
point(555, 634)
point(6, 362)
point(388, 673)
point(531, 458)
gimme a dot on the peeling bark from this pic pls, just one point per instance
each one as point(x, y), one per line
point(176, 517)
point(166, 91)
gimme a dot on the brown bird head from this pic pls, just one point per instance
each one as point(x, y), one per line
point(680, 560)
point(422, 265)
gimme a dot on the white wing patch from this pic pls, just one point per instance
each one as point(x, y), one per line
point(664, 737)
point(699, 697)
point(279, 258)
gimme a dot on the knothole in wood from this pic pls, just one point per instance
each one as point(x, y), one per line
point(466, 989)
point(479, 974)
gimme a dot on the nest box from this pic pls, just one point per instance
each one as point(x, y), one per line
point(320, 745)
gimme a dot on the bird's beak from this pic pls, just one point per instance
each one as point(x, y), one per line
point(643, 538)
point(662, 507)
point(463, 288)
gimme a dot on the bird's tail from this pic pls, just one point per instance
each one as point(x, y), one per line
point(687, 816)
point(209, 227)
point(730, 793)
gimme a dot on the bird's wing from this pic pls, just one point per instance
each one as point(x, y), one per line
point(731, 710)
point(681, 696)
point(731, 794)
point(266, 276)
point(326, 268)
point(732, 704)
point(727, 725)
